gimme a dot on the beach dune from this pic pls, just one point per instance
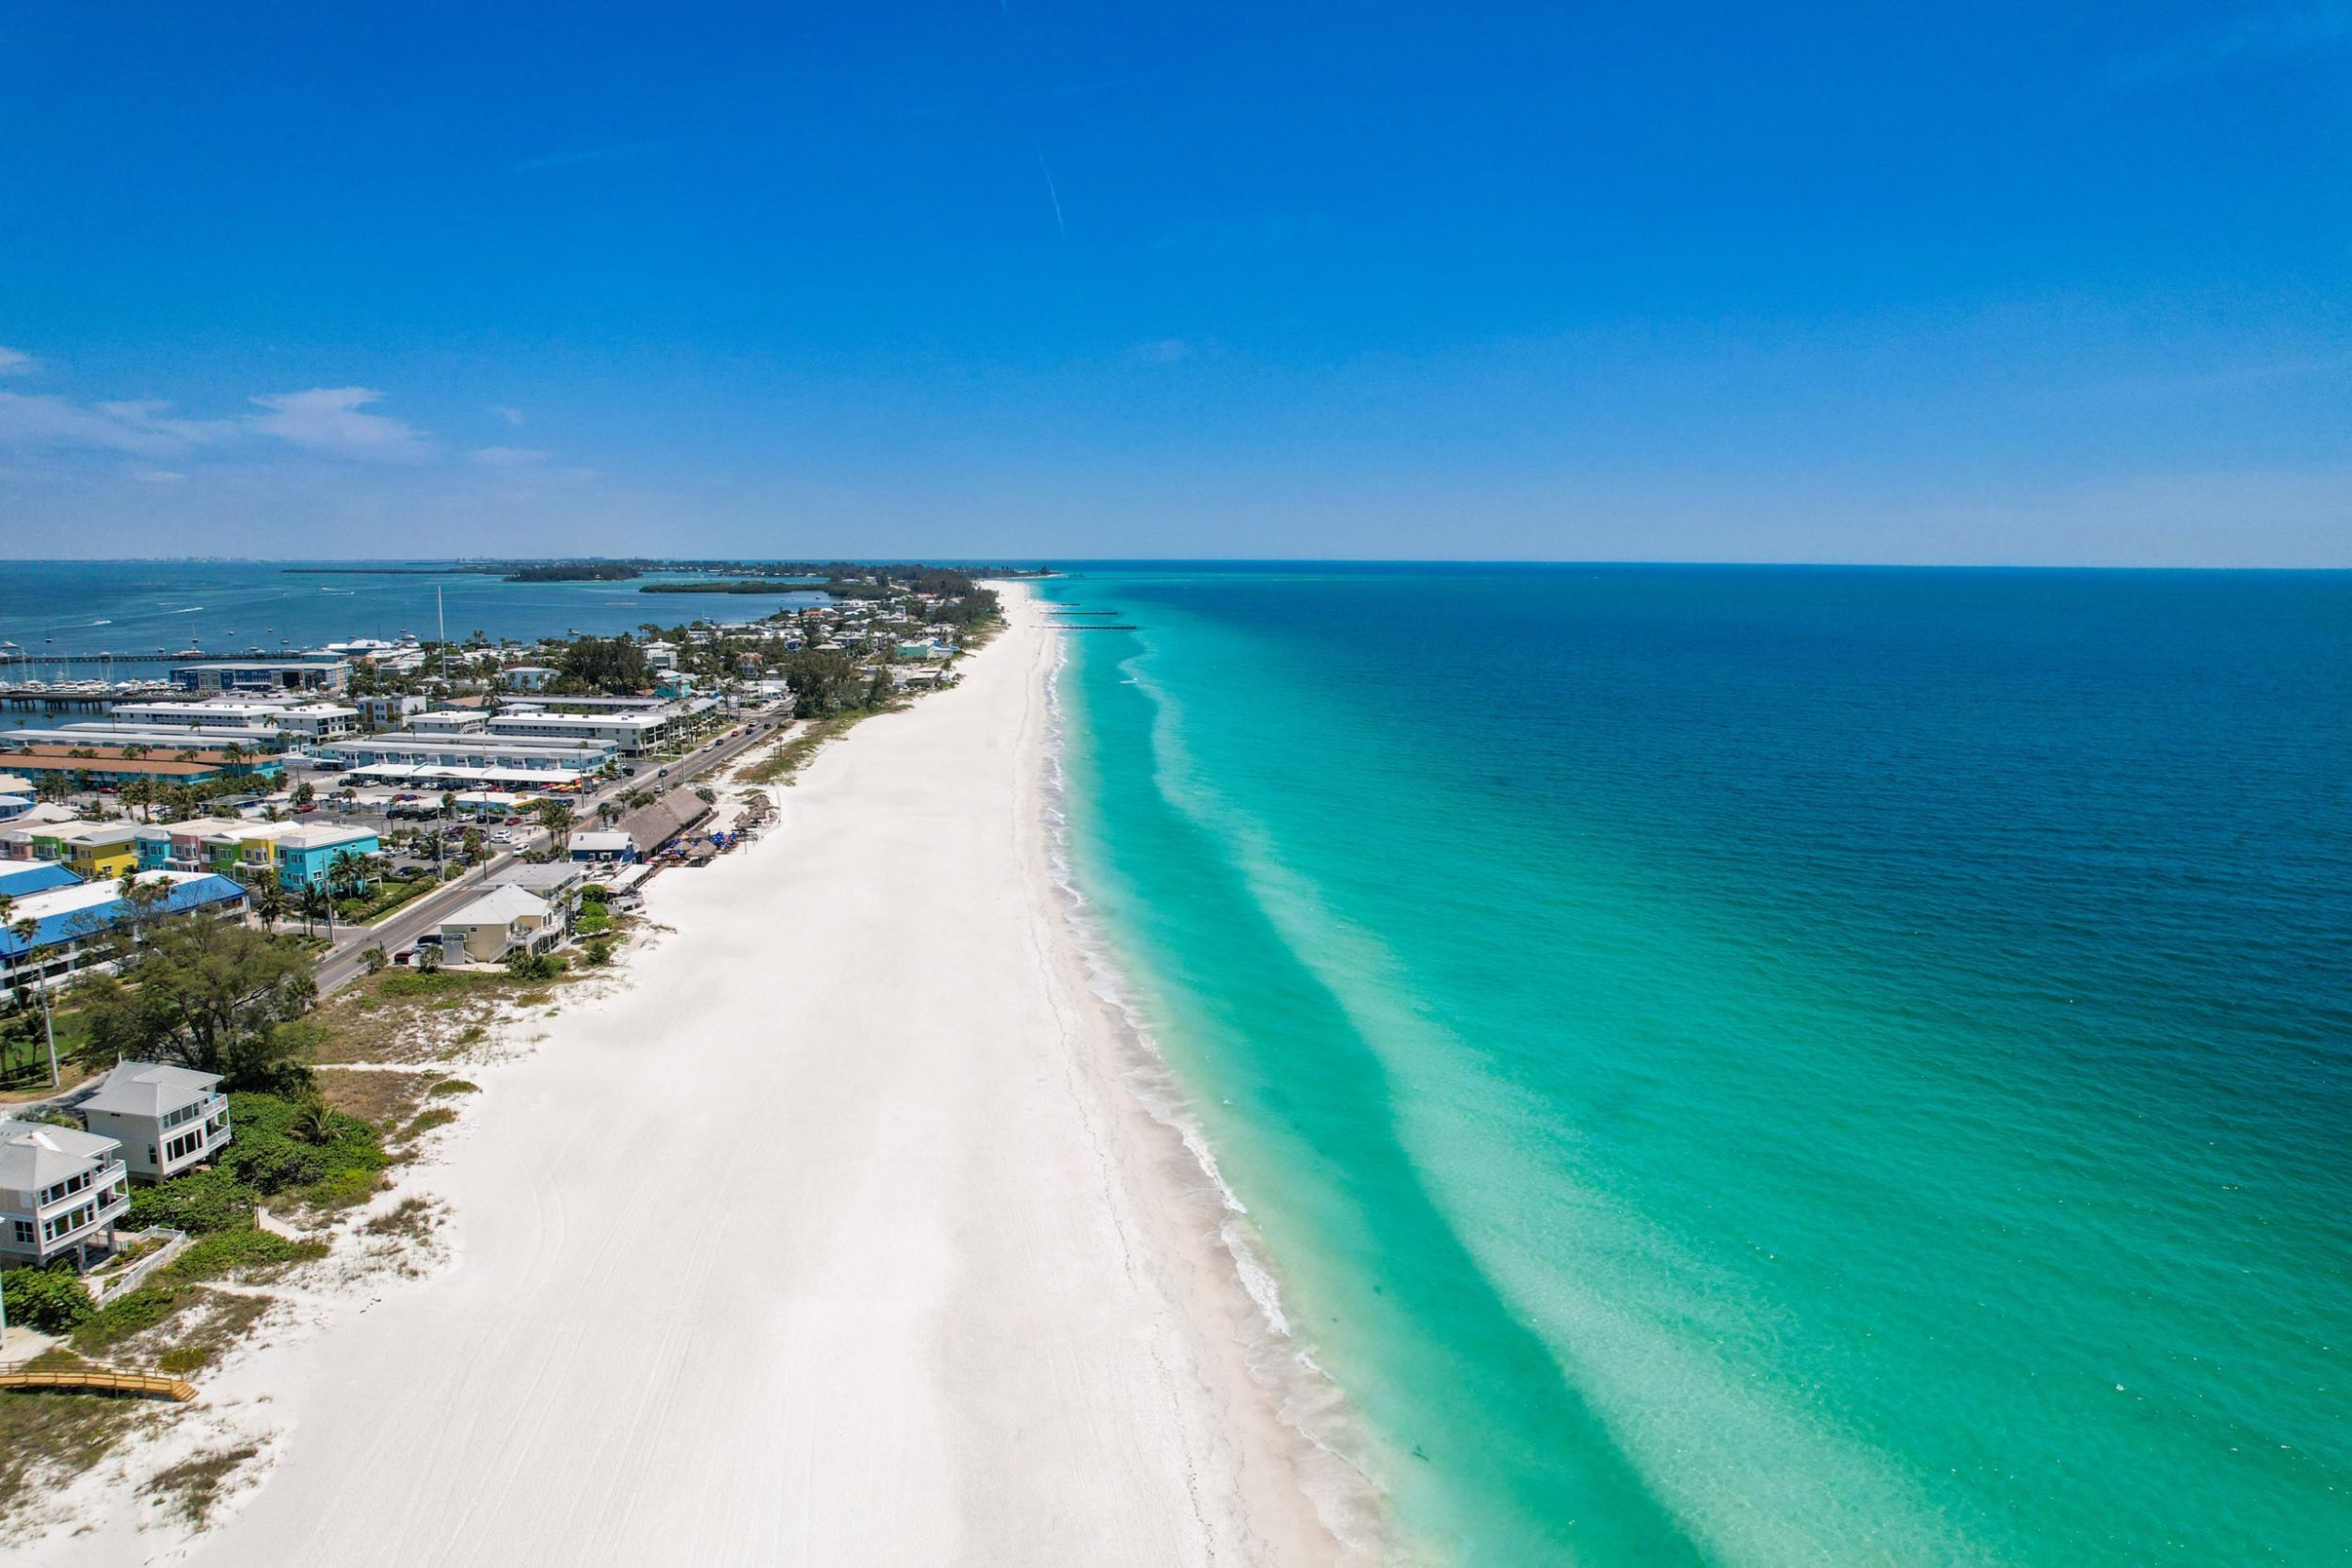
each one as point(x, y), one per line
point(831, 1236)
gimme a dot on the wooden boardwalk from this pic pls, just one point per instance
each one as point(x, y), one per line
point(144, 1386)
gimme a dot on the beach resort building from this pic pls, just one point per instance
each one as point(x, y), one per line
point(168, 1120)
point(448, 761)
point(69, 921)
point(386, 709)
point(305, 720)
point(83, 765)
point(525, 678)
point(450, 721)
point(60, 1189)
point(503, 921)
point(636, 730)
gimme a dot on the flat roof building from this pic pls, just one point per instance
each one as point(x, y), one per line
point(307, 674)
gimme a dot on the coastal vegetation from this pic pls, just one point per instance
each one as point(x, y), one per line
point(574, 571)
point(608, 664)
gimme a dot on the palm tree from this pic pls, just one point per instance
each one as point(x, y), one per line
point(312, 1122)
point(269, 903)
point(318, 905)
point(234, 755)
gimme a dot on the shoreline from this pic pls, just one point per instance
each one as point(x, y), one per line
point(953, 1289)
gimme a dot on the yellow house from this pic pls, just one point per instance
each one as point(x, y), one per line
point(96, 852)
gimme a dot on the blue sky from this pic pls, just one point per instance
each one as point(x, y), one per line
point(1680, 281)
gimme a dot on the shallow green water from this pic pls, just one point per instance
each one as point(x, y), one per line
point(1766, 1067)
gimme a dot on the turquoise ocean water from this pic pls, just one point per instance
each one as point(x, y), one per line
point(1765, 1066)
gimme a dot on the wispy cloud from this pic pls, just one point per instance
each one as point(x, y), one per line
point(577, 156)
point(55, 424)
point(1053, 192)
point(2254, 37)
point(15, 361)
point(334, 420)
point(507, 456)
point(512, 416)
point(1161, 351)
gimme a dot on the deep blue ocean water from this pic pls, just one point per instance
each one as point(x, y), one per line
point(1765, 1066)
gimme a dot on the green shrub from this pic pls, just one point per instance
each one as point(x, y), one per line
point(131, 1313)
point(199, 1203)
point(283, 1143)
point(412, 983)
point(233, 1251)
point(49, 1300)
point(600, 951)
point(455, 1086)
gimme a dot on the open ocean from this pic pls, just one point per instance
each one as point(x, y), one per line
point(1766, 1067)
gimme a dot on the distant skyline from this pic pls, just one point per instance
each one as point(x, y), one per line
point(2014, 284)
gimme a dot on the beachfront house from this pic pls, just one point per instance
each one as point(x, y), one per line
point(558, 882)
point(503, 921)
point(597, 847)
point(527, 677)
point(62, 1189)
point(168, 1120)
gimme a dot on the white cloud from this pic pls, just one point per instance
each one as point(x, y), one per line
point(161, 475)
point(15, 361)
point(512, 416)
point(53, 423)
point(333, 421)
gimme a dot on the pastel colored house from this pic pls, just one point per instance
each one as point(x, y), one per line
point(298, 854)
point(168, 1120)
point(92, 850)
point(62, 1189)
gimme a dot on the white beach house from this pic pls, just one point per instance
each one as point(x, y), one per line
point(60, 1189)
point(168, 1120)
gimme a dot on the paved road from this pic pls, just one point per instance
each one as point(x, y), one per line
point(401, 929)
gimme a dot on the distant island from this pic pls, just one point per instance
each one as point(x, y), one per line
point(576, 571)
point(727, 585)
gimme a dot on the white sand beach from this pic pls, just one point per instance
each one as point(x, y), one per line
point(831, 1236)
